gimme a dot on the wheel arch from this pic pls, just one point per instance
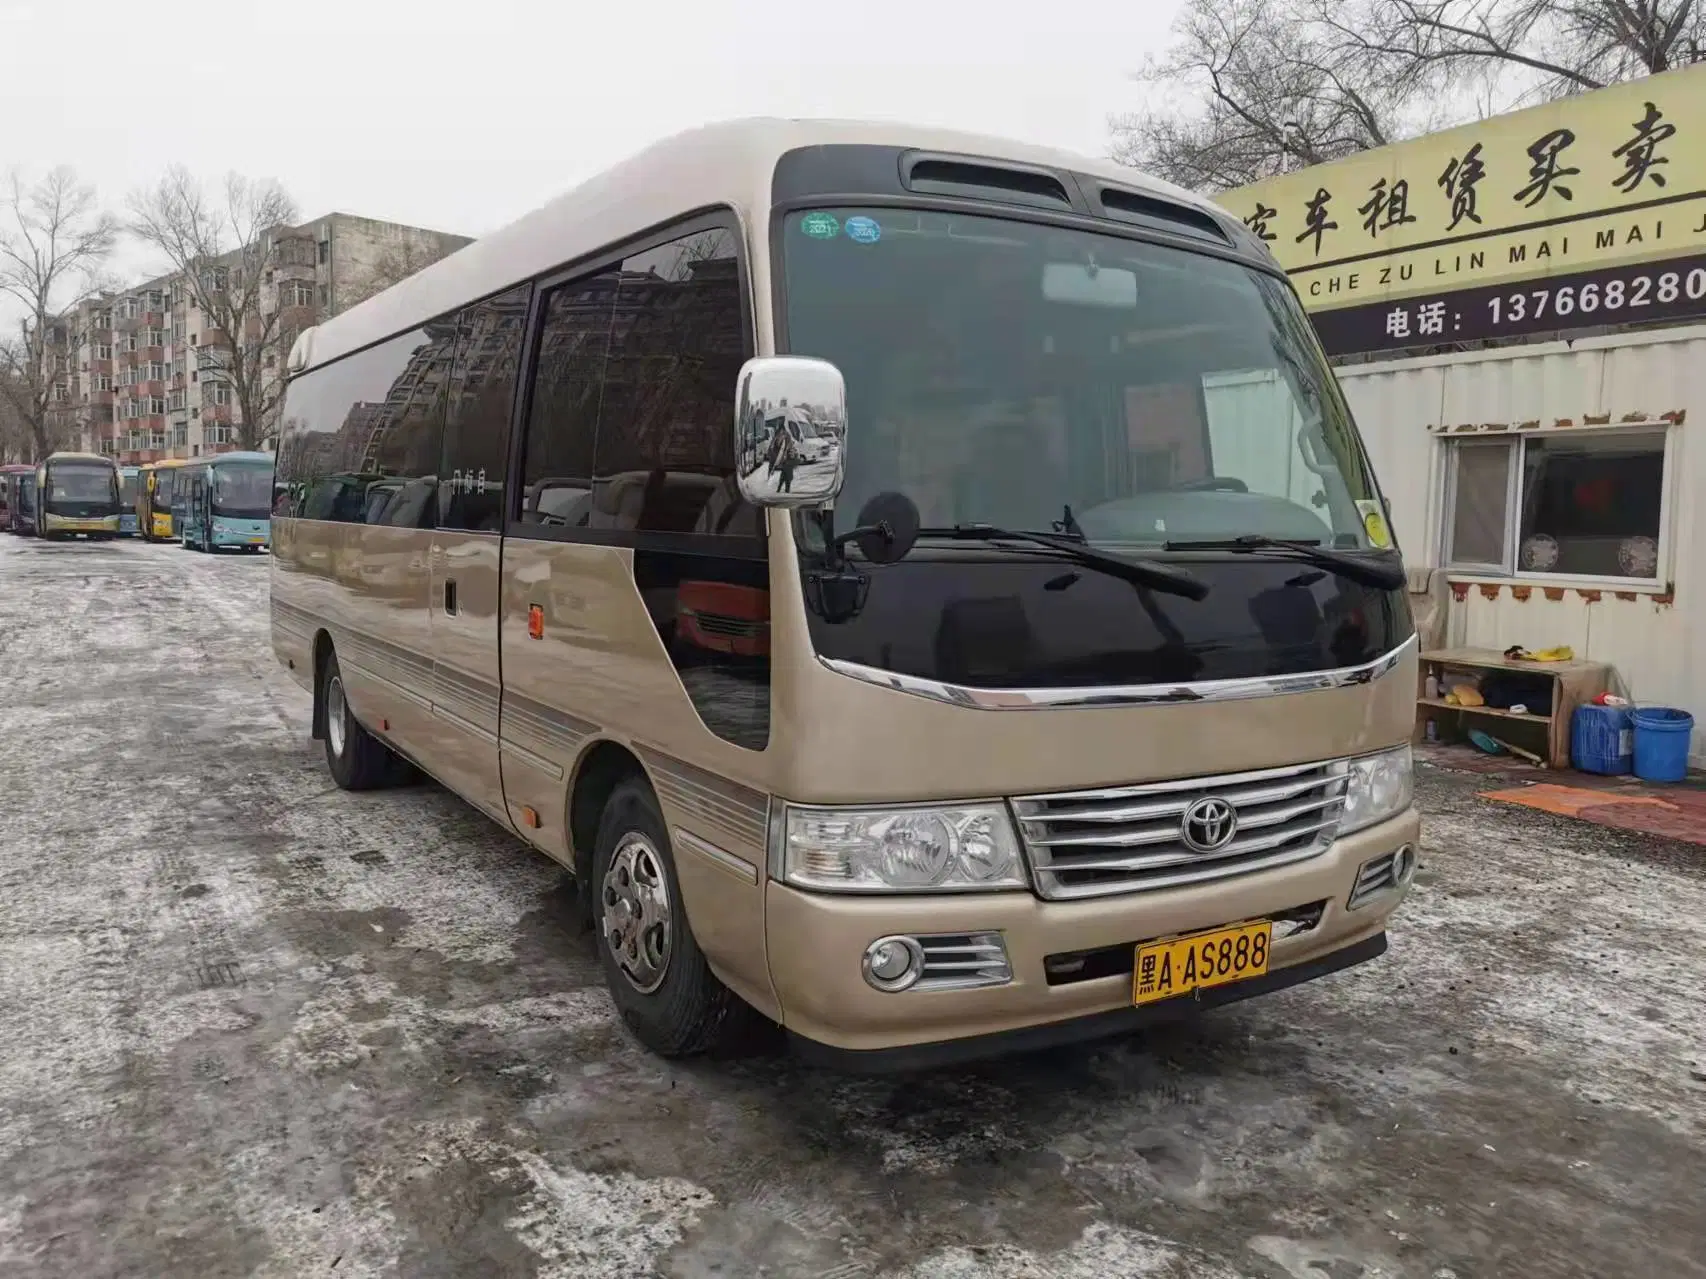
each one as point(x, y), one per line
point(602, 767)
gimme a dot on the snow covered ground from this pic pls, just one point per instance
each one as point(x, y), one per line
point(252, 1025)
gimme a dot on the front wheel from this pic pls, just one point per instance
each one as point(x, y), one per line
point(658, 977)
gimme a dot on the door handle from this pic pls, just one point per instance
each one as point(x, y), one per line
point(450, 595)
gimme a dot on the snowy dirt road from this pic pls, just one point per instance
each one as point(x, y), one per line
point(252, 1025)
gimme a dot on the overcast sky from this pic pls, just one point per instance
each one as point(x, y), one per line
point(462, 114)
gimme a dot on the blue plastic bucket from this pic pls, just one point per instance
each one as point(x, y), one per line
point(1661, 743)
point(1601, 740)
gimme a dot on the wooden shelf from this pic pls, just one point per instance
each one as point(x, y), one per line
point(1570, 683)
point(1482, 710)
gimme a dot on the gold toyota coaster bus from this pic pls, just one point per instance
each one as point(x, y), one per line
point(928, 589)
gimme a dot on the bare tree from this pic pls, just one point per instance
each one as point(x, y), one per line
point(1268, 92)
point(1541, 49)
point(395, 263)
point(1272, 85)
point(15, 443)
point(54, 240)
point(221, 248)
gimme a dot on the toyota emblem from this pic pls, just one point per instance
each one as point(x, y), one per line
point(1208, 825)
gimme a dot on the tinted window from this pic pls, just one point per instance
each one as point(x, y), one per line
point(243, 491)
point(1001, 372)
point(68, 481)
point(476, 425)
point(665, 441)
point(361, 436)
point(563, 415)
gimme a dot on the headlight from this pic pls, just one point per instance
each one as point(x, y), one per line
point(899, 850)
point(1379, 786)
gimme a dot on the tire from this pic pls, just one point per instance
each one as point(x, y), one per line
point(356, 759)
point(682, 1010)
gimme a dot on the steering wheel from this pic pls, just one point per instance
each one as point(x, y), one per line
point(1218, 483)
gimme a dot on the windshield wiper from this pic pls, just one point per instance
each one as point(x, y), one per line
point(1384, 574)
point(1145, 573)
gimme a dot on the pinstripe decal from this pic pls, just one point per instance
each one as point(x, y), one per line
point(533, 732)
point(737, 811)
point(529, 730)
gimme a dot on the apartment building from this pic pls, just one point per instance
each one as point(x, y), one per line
point(139, 375)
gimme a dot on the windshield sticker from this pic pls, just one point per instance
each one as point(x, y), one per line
point(1374, 523)
point(864, 230)
point(820, 226)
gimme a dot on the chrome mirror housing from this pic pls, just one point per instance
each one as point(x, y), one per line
point(790, 431)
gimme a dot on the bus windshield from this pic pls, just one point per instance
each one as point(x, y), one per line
point(243, 491)
point(163, 488)
point(127, 488)
point(75, 482)
point(1026, 376)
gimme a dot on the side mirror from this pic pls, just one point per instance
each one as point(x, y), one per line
point(790, 431)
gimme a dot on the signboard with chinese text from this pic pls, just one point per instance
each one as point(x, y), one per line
point(1586, 211)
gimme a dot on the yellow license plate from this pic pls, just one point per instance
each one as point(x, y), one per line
point(1181, 965)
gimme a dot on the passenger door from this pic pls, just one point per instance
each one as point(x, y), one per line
point(467, 564)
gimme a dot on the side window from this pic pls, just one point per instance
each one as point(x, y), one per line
point(361, 436)
point(665, 442)
point(562, 417)
point(476, 424)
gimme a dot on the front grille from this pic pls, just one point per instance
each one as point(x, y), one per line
point(1131, 838)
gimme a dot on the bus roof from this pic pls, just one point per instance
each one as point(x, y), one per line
point(165, 462)
point(71, 456)
point(731, 164)
point(245, 458)
point(16, 468)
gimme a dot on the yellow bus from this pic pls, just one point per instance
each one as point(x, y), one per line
point(77, 496)
point(929, 589)
point(154, 499)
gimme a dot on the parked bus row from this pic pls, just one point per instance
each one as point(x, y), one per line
point(206, 504)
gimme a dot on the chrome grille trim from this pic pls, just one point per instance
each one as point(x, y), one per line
point(1101, 695)
point(1375, 877)
point(1081, 843)
point(963, 961)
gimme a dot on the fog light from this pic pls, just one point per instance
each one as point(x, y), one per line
point(1404, 866)
point(893, 963)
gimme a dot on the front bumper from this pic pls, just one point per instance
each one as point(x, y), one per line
point(239, 536)
point(816, 940)
point(73, 524)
